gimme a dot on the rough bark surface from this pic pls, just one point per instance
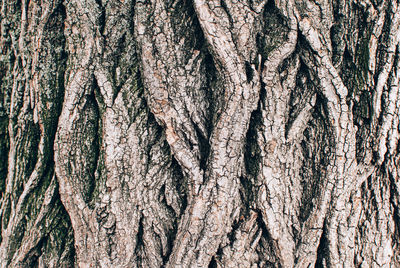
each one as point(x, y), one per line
point(217, 133)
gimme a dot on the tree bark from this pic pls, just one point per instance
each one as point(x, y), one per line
point(217, 133)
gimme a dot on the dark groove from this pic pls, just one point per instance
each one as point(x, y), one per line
point(97, 141)
point(322, 250)
point(131, 17)
point(249, 72)
point(252, 152)
point(270, 243)
point(213, 263)
point(231, 235)
point(274, 30)
point(204, 145)
point(61, 228)
point(139, 238)
point(171, 234)
point(180, 182)
point(317, 149)
point(102, 17)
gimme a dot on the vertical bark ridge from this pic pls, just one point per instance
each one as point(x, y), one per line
point(343, 174)
point(242, 250)
point(74, 147)
point(392, 23)
point(377, 190)
point(130, 215)
point(210, 212)
point(29, 202)
point(351, 175)
point(169, 67)
point(275, 180)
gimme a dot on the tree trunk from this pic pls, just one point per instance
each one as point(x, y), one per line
point(216, 133)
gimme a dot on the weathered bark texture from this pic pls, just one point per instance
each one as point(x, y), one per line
point(203, 133)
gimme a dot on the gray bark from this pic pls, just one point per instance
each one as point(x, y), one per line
point(216, 133)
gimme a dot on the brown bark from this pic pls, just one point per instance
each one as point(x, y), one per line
point(199, 133)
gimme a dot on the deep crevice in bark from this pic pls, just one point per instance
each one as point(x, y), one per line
point(180, 183)
point(266, 248)
point(94, 98)
point(252, 151)
point(4, 148)
point(139, 240)
point(204, 144)
point(101, 16)
point(214, 89)
point(317, 149)
point(213, 263)
point(322, 250)
point(274, 30)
